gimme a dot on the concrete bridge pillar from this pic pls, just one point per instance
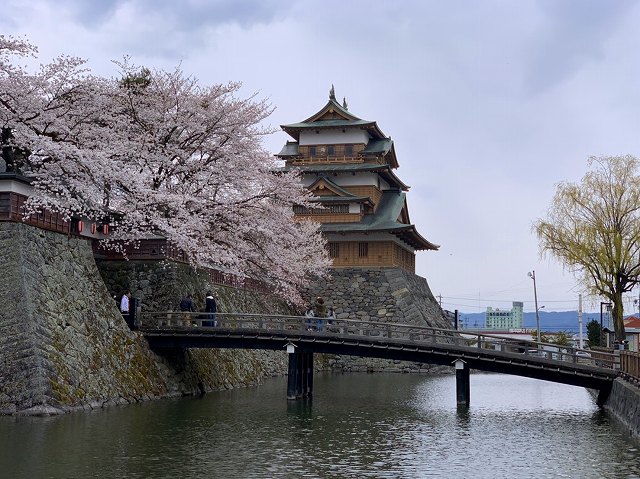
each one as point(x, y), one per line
point(462, 383)
point(300, 374)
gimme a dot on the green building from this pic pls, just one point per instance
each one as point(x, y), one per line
point(503, 320)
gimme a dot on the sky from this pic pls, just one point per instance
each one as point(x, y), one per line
point(491, 104)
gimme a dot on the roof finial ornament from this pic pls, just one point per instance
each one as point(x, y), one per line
point(344, 103)
point(332, 93)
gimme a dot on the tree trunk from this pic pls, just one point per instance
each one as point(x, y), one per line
point(618, 317)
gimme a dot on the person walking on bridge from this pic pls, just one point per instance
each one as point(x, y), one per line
point(124, 306)
point(309, 315)
point(186, 306)
point(331, 315)
point(211, 308)
point(124, 303)
point(320, 312)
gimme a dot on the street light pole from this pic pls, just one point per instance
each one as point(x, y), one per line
point(532, 275)
point(608, 305)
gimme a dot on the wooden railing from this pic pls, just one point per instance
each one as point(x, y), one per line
point(324, 159)
point(322, 327)
point(630, 365)
point(12, 208)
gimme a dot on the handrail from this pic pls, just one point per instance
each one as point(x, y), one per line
point(185, 321)
point(630, 365)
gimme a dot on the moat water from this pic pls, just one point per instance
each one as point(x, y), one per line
point(356, 426)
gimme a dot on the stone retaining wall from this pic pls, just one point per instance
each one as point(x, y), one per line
point(381, 295)
point(64, 344)
point(624, 404)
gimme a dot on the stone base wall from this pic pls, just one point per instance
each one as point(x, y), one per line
point(160, 285)
point(64, 344)
point(624, 404)
point(382, 295)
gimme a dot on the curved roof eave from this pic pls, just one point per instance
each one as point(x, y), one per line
point(332, 104)
point(383, 169)
point(349, 120)
point(410, 236)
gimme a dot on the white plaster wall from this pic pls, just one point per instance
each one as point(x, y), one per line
point(359, 179)
point(15, 187)
point(333, 137)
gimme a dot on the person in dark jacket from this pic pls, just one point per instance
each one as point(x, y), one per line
point(320, 312)
point(211, 308)
point(186, 306)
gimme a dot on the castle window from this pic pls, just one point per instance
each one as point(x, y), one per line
point(339, 208)
point(348, 150)
point(363, 250)
point(312, 151)
point(334, 250)
point(331, 150)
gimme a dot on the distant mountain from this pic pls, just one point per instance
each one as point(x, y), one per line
point(551, 321)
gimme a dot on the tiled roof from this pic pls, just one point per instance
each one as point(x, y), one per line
point(339, 199)
point(329, 124)
point(290, 149)
point(338, 189)
point(632, 322)
point(346, 120)
point(375, 147)
point(384, 170)
point(385, 219)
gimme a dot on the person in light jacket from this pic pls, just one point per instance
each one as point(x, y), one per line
point(211, 308)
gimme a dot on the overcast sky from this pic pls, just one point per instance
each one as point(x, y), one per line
point(490, 103)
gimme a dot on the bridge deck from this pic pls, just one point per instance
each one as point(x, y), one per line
point(382, 340)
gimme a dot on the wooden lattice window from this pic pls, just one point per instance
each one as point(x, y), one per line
point(363, 250)
point(339, 208)
point(334, 250)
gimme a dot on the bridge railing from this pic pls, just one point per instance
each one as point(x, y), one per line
point(630, 365)
point(544, 350)
point(181, 320)
point(186, 321)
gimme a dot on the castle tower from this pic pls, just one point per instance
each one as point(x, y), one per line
point(348, 164)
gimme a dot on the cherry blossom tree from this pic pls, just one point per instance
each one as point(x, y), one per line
point(172, 158)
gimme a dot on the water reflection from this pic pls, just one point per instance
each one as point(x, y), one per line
point(357, 425)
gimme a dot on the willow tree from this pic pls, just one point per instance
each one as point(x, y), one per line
point(593, 228)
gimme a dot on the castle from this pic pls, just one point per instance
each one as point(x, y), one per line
point(348, 165)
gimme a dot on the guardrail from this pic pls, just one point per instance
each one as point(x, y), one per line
point(630, 366)
point(187, 321)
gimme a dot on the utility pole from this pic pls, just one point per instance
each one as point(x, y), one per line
point(580, 320)
point(532, 275)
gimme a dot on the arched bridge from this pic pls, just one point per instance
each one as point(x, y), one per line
point(302, 337)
